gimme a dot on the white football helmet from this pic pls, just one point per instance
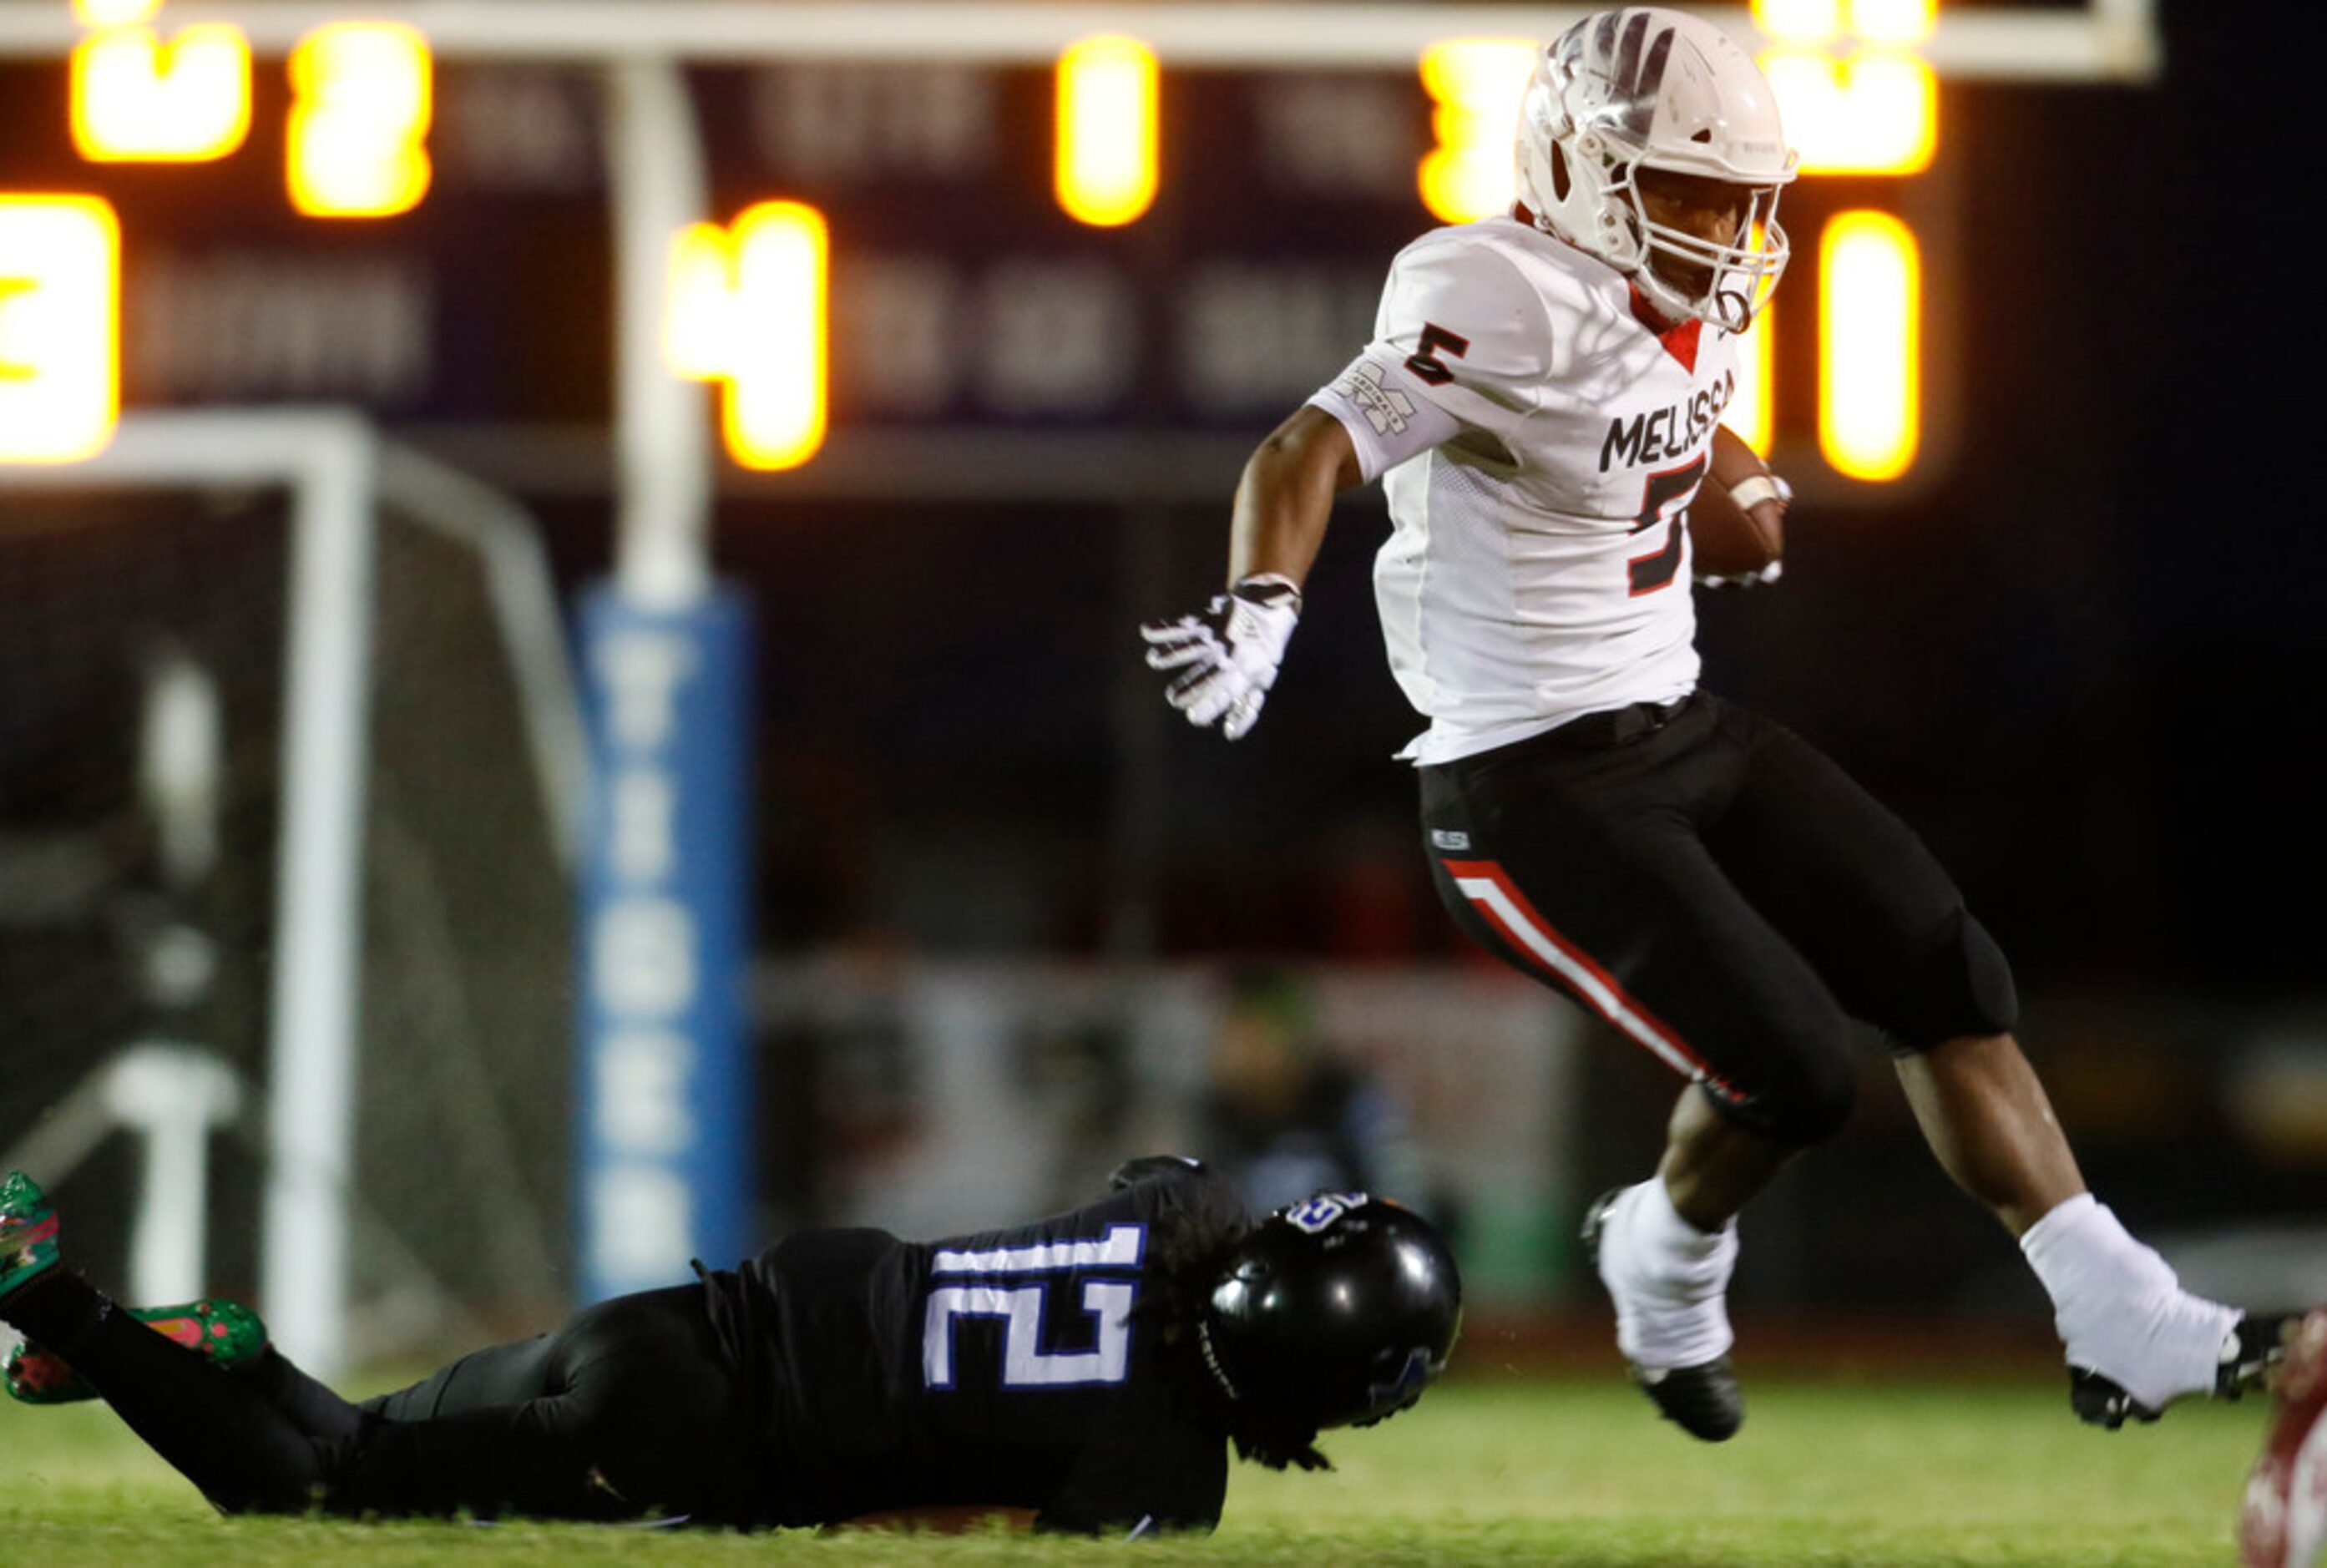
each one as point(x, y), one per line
point(1646, 88)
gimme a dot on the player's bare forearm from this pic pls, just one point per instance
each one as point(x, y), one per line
point(1222, 661)
point(1285, 497)
point(1735, 464)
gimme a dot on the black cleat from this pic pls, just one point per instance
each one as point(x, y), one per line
point(2254, 1346)
point(2261, 1346)
point(1704, 1400)
point(2098, 1401)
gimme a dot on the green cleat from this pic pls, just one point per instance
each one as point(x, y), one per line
point(28, 1233)
point(226, 1333)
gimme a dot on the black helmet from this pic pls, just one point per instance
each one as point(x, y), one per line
point(1333, 1312)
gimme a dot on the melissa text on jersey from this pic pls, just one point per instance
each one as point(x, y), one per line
point(1668, 431)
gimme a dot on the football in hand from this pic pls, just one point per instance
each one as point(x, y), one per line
point(1727, 540)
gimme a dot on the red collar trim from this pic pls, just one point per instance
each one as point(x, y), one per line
point(1680, 340)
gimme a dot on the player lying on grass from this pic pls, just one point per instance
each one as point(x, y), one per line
point(1092, 1369)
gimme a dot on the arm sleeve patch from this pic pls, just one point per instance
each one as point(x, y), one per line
point(1471, 330)
point(1385, 412)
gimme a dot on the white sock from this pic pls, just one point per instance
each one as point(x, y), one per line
point(2119, 1307)
point(1667, 1278)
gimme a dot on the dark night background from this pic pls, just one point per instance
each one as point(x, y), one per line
point(2079, 656)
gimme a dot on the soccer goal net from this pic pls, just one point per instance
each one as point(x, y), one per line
point(290, 764)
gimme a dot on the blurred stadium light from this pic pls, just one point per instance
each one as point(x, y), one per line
point(1870, 344)
point(137, 98)
point(762, 284)
point(1475, 86)
point(59, 326)
point(775, 416)
point(1107, 130)
point(1871, 111)
point(359, 123)
point(1752, 412)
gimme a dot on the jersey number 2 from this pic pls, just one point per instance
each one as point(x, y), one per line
point(1651, 573)
point(1023, 1307)
point(1024, 1364)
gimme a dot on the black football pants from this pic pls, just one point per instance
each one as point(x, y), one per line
point(629, 1412)
point(1721, 893)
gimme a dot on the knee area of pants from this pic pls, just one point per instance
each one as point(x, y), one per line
point(1965, 988)
point(1809, 1104)
point(1825, 1100)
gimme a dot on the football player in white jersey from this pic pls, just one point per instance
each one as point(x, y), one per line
point(1542, 402)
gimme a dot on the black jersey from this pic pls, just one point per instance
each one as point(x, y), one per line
point(1004, 1369)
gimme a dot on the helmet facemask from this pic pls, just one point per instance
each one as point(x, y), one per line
point(1739, 276)
point(1646, 88)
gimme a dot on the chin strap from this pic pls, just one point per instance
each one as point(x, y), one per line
point(1212, 1359)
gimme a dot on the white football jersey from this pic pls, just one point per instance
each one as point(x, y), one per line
point(1539, 442)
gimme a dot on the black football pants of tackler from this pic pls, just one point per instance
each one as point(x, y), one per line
point(630, 1412)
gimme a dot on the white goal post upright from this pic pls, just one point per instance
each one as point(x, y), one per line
point(328, 461)
point(338, 474)
point(662, 1118)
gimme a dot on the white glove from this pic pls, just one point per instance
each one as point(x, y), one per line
point(1227, 655)
point(1769, 573)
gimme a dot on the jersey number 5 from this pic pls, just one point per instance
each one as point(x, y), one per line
point(1663, 490)
point(1424, 361)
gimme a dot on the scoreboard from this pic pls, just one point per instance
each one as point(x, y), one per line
point(968, 218)
point(960, 290)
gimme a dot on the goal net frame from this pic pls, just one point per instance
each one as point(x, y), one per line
point(339, 472)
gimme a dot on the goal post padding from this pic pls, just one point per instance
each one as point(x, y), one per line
point(664, 1106)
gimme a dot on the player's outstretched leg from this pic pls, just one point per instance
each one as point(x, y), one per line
point(31, 1242)
point(1668, 1280)
point(227, 1333)
point(218, 1429)
point(2136, 1340)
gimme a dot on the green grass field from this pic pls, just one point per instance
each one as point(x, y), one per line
point(1550, 1471)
